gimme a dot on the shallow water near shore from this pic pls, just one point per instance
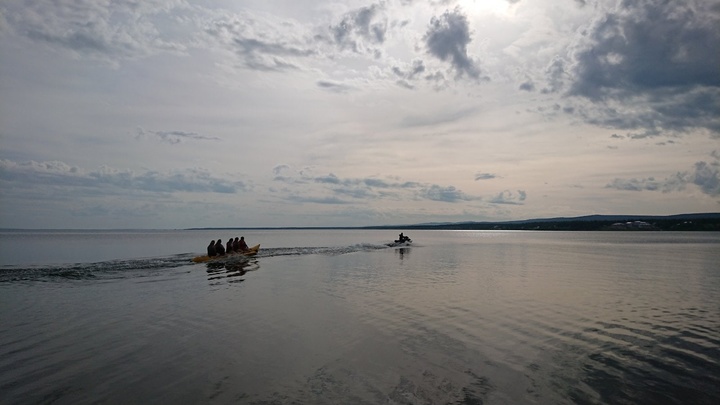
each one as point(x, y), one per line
point(336, 316)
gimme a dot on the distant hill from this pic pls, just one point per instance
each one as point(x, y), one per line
point(680, 222)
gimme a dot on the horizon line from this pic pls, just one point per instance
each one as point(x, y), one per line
point(390, 226)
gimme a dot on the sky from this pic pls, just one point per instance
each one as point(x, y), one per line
point(173, 114)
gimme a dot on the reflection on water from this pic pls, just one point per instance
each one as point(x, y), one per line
point(236, 267)
point(464, 318)
point(402, 252)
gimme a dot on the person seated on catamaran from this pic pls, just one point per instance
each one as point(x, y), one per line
point(219, 248)
point(211, 249)
point(236, 244)
point(243, 246)
point(229, 247)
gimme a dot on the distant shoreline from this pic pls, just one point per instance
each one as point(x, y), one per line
point(680, 222)
point(701, 222)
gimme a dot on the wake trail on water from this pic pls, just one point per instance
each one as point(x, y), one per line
point(123, 268)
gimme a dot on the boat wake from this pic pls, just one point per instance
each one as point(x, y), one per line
point(149, 266)
point(332, 250)
point(87, 271)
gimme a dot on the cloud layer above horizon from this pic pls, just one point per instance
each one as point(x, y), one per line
point(171, 114)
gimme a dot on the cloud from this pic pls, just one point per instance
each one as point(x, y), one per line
point(510, 198)
point(279, 169)
point(556, 75)
point(173, 137)
point(318, 200)
point(635, 184)
point(437, 118)
point(445, 194)
point(267, 56)
point(527, 86)
point(447, 39)
point(111, 30)
point(485, 176)
point(262, 45)
point(648, 65)
point(37, 174)
point(329, 179)
point(265, 43)
point(373, 188)
point(704, 175)
point(410, 73)
point(334, 87)
point(361, 26)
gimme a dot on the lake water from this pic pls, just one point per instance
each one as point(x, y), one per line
point(337, 317)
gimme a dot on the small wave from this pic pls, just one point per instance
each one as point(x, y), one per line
point(89, 271)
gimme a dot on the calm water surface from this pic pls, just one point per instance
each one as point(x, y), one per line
point(338, 317)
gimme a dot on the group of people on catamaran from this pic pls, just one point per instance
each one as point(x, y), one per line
point(216, 248)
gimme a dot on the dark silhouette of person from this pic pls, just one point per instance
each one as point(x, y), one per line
point(242, 245)
point(402, 238)
point(211, 249)
point(229, 247)
point(219, 248)
point(236, 244)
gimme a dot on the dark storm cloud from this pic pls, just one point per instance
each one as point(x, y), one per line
point(703, 175)
point(663, 55)
point(42, 174)
point(447, 39)
point(649, 45)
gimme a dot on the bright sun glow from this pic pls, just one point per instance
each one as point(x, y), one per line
point(501, 7)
